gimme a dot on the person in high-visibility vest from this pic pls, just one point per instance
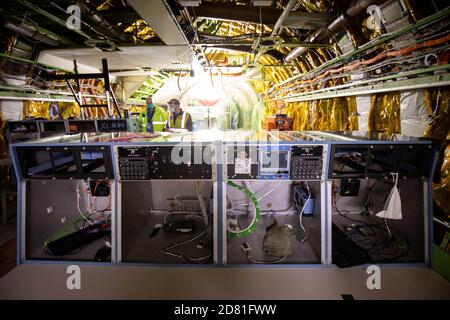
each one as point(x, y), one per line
point(178, 119)
point(156, 115)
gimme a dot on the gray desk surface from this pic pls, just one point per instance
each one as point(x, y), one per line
point(99, 282)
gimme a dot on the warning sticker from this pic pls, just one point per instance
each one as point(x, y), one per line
point(242, 166)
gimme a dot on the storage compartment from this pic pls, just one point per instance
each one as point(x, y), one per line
point(355, 204)
point(288, 230)
point(168, 222)
point(66, 221)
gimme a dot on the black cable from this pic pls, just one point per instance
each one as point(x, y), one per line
point(376, 244)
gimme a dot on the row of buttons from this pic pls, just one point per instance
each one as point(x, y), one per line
point(135, 170)
point(302, 169)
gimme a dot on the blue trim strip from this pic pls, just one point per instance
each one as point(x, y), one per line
point(220, 212)
point(430, 225)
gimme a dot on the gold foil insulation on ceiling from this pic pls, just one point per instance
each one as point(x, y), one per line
point(384, 114)
point(316, 5)
point(39, 109)
point(140, 30)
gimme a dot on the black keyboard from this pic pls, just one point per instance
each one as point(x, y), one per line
point(347, 253)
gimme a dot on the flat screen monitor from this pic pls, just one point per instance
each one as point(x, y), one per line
point(274, 161)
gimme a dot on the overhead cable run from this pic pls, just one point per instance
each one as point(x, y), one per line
point(355, 8)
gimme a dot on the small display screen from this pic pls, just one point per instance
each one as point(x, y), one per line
point(275, 160)
point(92, 162)
point(349, 161)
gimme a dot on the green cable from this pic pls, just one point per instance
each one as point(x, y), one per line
point(252, 227)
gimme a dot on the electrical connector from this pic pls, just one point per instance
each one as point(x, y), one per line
point(246, 248)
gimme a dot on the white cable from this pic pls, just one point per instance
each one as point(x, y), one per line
point(202, 203)
point(301, 215)
point(171, 253)
point(205, 221)
point(262, 197)
point(283, 212)
point(387, 227)
point(78, 204)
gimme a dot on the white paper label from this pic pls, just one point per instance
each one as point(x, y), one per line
point(242, 166)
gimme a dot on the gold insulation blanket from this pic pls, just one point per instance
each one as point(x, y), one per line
point(437, 101)
point(300, 112)
point(384, 114)
point(40, 109)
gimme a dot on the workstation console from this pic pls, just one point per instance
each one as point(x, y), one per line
point(293, 199)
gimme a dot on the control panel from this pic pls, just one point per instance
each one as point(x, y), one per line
point(275, 162)
point(165, 162)
point(133, 163)
point(306, 162)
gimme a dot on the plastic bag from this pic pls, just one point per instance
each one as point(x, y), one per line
point(393, 206)
point(277, 240)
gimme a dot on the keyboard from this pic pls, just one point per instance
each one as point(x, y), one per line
point(346, 253)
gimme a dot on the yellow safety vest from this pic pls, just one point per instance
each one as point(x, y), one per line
point(159, 120)
point(180, 122)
